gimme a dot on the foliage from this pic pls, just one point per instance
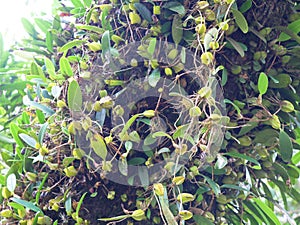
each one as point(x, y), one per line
point(59, 96)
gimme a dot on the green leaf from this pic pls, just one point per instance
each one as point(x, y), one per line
point(224, 77)
point(7, 140)
point(177, 31)
point(87, 3)
point(114, 218)
point(283, 81)
point(152, 46)
point(280, 170)
point(38, 193)
point(285, 146)
point(154, 78)
point(79, 204)
point(258, 34)
point(27, 204)
point(175, 7)
point(67, 161)
point(267, 211)
point(68, 205)
point(163, 200)
point(144, 11)
point(29, 27)
point(221, 162)
point(123, 166)
point(77, 3)
point(143, 175)
point(210, 36)
point(240, 20)
point(70, 45)
point(35, 69)
point(232, 186)
point(56, 24)
point(214, 186)
point(49, 41)
point(16, 206)
point(43, 108)
point(201, 220)
point(95, 29)
point(44, 25)
point(267, 137)
point(41, 116)
point(237, 46)
point(136, 161)
point(105, 41)
point(180, 131)
point(14, 130)
point(50, 67)
point(227, 101)
point(246, 6)
point(242, 156)
point(74, 96)
point(294, 27)
point(267, 190)
point(128, 124)
point(11, 182)
point(28, 140)
point(161, 134)
point(293, 171)
point(253, 213)
point(99, 146)
point(42, 132)
point(296, 158)
point(263, 83)
point(65, 66)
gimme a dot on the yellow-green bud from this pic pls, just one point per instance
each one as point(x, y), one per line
point(6, 193)
point(178, 180)
point(172, 54)
point(287, 106)
point(83, 65)
point(156, 10)
point(158, 189)
point(7, 213)
point(70, 171)
point(106, 102)
point(185, 197)
point(202, 4)
point(194, 111)
point(134, 63)
point(107, 7)
point(224, 26)
point(134, 18)
point(214, 45)
point(71, 128)
point(168, 71)
point(94, 46)
point(149, 113)
point(185, 214)
point(210, 15)
point(31, 176)
point(138, 215)
point(275, 122)
point(43, 150)
point(200, 28)
point(205, 92)
point(207, 58)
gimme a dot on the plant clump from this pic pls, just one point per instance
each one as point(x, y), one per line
point(152, 112)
